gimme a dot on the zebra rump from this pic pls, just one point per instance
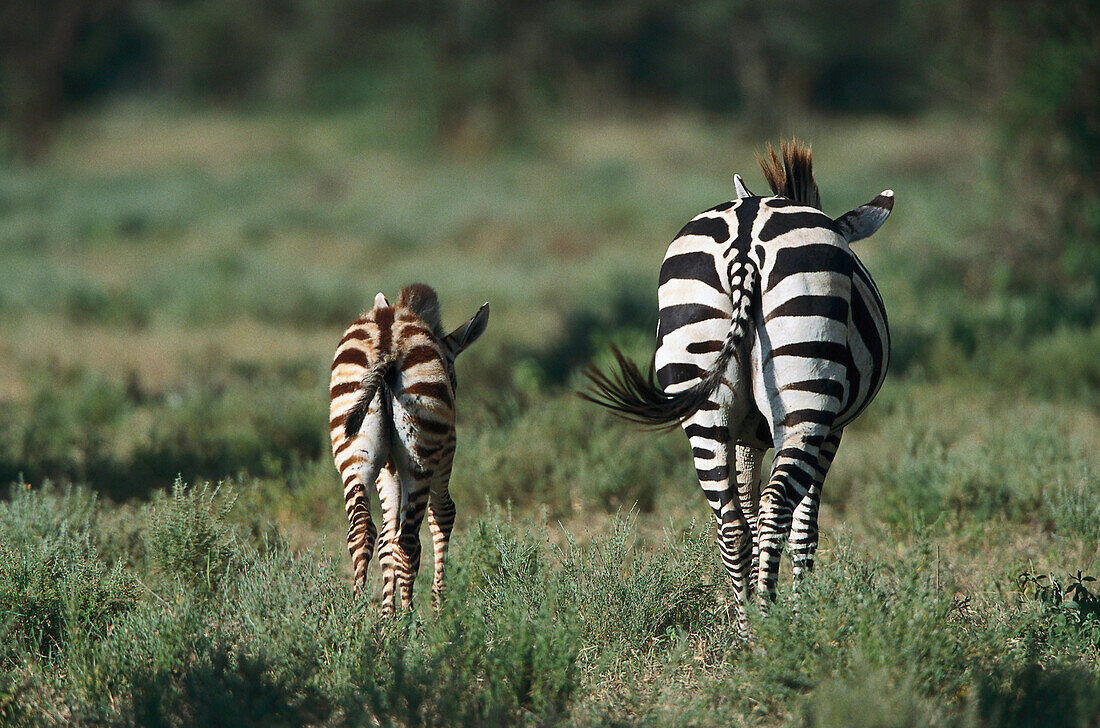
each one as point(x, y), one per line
point(375, 378)
point(420, 299)
point(638, 397)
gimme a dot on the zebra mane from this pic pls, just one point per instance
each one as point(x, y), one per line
point(422, 300)
point(793, 175)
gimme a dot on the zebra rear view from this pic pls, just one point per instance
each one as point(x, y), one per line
point(391, 421)
point(771, 334)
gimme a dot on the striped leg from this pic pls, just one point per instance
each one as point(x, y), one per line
point(735, 547)
point(409, 543)
point(389, 555)
point(362, 533)
point(792, 477)
point(441, 518)
point(359, 460)
point(710, 444)
point(748, 493)
point(804, 534)
point(415, 470)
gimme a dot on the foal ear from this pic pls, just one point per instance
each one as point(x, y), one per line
point(863, 221)
point(468, 332)
point(380, 300)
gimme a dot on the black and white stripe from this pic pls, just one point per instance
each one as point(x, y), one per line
point(771, 335)
point(392, 425)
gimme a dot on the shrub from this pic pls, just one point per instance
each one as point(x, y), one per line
point(184, 663)
point(629, 598)
point(1069, 608)
point(476, 664)
point(492, 656)
point(53, 584)
point(188, 538)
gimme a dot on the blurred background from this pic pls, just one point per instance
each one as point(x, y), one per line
point(197, 196)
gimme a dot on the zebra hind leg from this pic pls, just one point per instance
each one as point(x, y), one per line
point(441, 521)
point(804, 533)
point(441, 516)
point(358, 466)
point(791, 480)
point(415, 474)
point(362, 535)
point(409, 546)
point(709, 436)
point(735, 547)
point(748, 493)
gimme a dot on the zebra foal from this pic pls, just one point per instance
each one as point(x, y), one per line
point(771, 334)
point(392, 424)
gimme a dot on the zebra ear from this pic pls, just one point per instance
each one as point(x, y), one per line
point(742, 190)
point(468, 332)
point(380, 300)
point(863, 221)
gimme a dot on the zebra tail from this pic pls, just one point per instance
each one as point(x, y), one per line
point(638, 398)
point(372, 380)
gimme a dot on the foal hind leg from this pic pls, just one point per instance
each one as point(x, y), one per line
point(416, 456)
point(359, 459)
point(415, 484)
point(409, 543)
point(441, 518)
point(393, 516)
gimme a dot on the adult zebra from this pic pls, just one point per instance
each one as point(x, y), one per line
point(771, 334)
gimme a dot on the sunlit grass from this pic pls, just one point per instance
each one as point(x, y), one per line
point(176, 284)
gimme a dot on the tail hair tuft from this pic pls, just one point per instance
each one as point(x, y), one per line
point(637, 397)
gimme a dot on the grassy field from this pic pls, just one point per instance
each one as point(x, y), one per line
point(176, 284)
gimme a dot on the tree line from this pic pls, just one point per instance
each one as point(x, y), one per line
point(763, 59)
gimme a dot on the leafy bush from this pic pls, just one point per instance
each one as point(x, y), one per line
point(184, 663)
point(472, 667)
point(53, 585)
point(635, 599)
point(281, 640)
point(1070, 608)
point(188, 537)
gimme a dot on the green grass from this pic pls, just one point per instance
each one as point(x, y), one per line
point(171, 309)
point(613, 629)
